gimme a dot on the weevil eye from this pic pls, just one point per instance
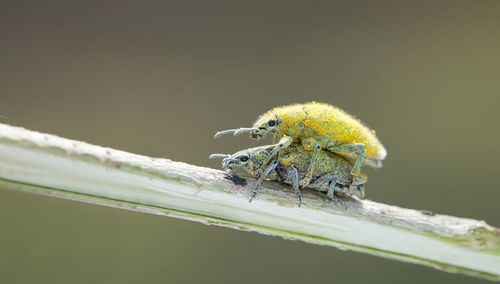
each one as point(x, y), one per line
point(244, 158)
point(271, 122)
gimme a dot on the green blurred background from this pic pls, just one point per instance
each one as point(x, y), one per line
point(160, 78)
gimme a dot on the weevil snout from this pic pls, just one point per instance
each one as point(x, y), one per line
point(227, 164)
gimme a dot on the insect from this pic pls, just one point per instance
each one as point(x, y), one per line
point(318, 126)
point(331, 175)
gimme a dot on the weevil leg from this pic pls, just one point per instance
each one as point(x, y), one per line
point(320, 182)
point(284, 142)
point(267, 171)
point(358, 147)
point(324, 180)
point(332, 178)
point(295, 177)
point(361, 191)
point(356, 187)
point(352, 189)
point(331, 191)
point(312, 166)
point(309, 144)
point(355, 190)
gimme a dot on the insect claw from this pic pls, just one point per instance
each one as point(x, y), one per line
point(253, 194)
point(340, 203)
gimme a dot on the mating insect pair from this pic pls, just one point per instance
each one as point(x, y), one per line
point(317, 127)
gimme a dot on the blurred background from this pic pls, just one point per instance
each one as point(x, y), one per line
point(159, 78)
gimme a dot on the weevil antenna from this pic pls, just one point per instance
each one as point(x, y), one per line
point(216, 156)
point(235, 132)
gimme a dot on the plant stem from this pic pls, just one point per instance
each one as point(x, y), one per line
point(54, 166)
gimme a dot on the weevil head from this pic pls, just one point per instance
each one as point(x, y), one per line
point(237, 160)
point(249, 160)
point(267, 123)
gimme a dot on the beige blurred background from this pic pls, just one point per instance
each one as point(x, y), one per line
point(160, 78)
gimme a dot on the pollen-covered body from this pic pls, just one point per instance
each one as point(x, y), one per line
point(328, 163)
point(326, 124)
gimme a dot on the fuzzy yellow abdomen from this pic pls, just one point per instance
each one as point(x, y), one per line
point(334, 124)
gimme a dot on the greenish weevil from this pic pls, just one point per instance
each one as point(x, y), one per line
point(331, 174)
